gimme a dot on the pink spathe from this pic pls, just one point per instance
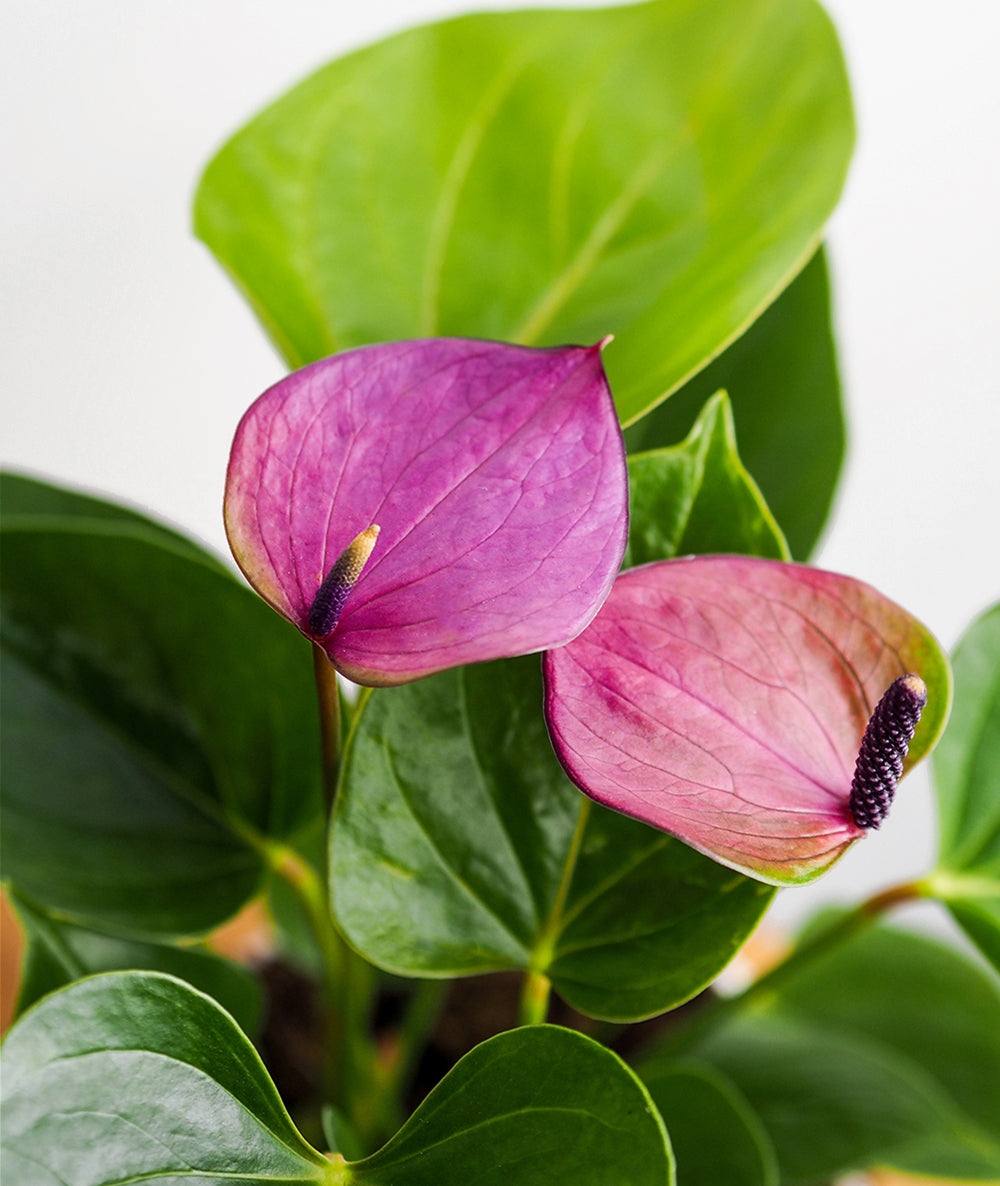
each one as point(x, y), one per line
point(723, 699)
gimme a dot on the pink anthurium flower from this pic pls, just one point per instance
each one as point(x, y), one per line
point(419, 505)
point(725, 699)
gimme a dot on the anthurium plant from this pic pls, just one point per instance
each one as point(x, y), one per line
point(524, 701)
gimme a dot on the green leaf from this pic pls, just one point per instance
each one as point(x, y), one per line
point(967, 777)
point(459, 846)
point(145, 756)
point(135, 1075)
point(716, 1136)
point(697, 497)
point(543, 177)
point(885, 1050)
point(932, 1007)
point(57, 953)
point(28, 502)
point(781, 376)
point(531, 1107)
point(830, 1100)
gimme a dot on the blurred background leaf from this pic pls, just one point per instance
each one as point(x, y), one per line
point(884, 1051)
point(967, 781)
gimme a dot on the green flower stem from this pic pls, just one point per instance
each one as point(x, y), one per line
point(352, 1076)
point(328, 694)
point(959, 887)
point(843, 928)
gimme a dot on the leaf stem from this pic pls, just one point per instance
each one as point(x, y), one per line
point(537, 986)
point(535, 995)
point(722, 1009)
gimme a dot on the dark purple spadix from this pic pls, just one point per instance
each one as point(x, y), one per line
point(883, 748)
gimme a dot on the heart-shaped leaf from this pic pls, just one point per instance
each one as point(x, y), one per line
point(459, 846)
point(698, 497)
point(493, 475)
point(543, 177)
point(57, 953)
point(530, 1106)
point(967, 778)
point(145, 757)
point(781, 376)
point(724, 699)
point(716, 1136)
point(134, 1075)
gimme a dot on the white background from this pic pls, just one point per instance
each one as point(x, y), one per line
point(128, 358)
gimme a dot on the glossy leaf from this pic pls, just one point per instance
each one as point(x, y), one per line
point(543, 177)
point(132, 1076)
point(716, 1136)
point(530, 1106)
point(698, 497)
point(494, 475)
point(967, 778)
point(781, 376)
point(141, 678)
point(455, 850)
point(57, 953)
point(724, 698)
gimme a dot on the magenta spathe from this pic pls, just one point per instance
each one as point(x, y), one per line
point(495, 475)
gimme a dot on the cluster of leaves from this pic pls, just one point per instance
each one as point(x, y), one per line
point(162, 758)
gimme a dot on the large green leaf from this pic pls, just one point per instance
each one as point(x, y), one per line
point(781, 376)
point(133, 1076)
point(698, 497)
point(539, 1106)
point(967, 779)
point(56, 953)
point(459, 846)
point(146, 753)
point(893, 1039)
point(659, 171)
point(716, 1136)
